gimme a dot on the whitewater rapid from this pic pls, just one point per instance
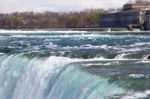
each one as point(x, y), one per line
point(73, 65)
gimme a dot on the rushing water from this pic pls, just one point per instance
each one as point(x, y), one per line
point(74, 65)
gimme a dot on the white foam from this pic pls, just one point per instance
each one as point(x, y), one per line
point(98, 64)
point(70, 31)
point(121, 56)
point(19, 36)
point(22, 31)
point(138, 95)
point(143, 61)
point(142, 43)
point(135, 96)
point(88, 46)
point(39, 31)
point(51, 45)
point(133, 49)
point(136, 75)
point(2, 53)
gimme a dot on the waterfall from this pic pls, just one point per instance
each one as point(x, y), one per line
point(23, 77)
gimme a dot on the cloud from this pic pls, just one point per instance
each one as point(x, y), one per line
point(56, 5)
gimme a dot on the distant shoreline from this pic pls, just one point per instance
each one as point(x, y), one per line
point(73, 29)
point(116, 31)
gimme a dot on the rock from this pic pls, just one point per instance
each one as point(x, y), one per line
point(148, 56)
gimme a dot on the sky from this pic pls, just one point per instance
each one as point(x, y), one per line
point(7, 6)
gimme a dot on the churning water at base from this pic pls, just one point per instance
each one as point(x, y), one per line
point(74, 65)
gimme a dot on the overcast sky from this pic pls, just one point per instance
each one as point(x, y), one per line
point(56, 5)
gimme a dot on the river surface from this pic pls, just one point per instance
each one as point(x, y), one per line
point(74, 65)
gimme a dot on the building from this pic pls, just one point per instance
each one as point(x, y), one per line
point(147, 22)
point(131, 16)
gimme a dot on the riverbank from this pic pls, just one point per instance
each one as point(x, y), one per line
point(64, 30)
point(73, 29)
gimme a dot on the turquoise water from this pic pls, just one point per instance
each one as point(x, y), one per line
point(74, 65)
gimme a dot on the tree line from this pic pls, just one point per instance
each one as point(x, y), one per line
point(32, 20)
point(46, 20)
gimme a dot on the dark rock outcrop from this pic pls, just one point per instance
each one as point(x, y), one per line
point(148, 56)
